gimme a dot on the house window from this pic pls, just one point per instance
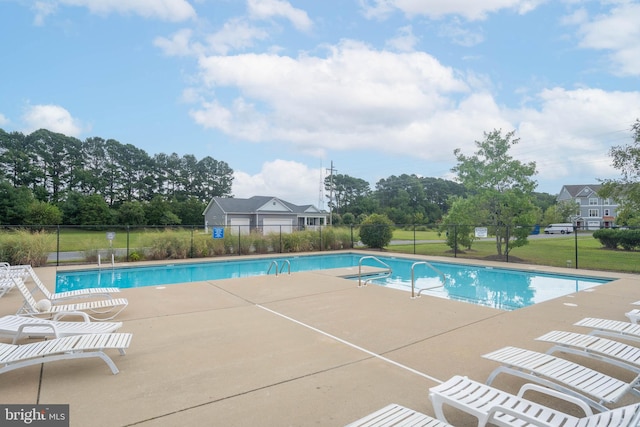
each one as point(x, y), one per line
point(594, 212)
point(607, 212)
point(593, 201)
point(607, 201)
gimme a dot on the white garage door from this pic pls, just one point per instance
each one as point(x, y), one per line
point(240, 225)
point(277, 225)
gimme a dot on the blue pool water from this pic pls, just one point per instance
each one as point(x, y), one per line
point(506, 289)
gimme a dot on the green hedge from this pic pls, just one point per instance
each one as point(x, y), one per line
point(628, 240)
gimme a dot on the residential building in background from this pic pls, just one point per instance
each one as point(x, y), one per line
point(262, 213)
point(594, 212)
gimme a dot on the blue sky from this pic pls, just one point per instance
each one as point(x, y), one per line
point(281, 89)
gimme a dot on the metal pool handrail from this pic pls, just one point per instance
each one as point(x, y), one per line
point(413, 283)
point(388, 269)
point(278, 268)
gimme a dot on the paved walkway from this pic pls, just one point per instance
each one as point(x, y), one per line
point(309, 349)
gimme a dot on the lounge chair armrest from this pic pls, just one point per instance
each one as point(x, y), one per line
point(21, 329)
point(550, 392)
point(62, 314)
point(517, 414)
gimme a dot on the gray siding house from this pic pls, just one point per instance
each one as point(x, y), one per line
point(594, 212)
point(264, 213)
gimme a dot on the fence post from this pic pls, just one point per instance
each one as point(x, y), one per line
point(191, 251)
point(352, 242)
point(414, 239)
point(455, 240)
point(127, 228)
point(58, 246)
point(507, 244)
point(575, 236)
point(321, 245)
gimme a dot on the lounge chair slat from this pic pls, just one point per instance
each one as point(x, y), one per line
point(518, 410)
point(102, 307)
point(397, 416)
point(563, 373)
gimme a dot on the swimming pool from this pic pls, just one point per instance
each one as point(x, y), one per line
point(506, 289)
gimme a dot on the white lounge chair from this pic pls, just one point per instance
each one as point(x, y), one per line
point(491, 405)
point(16, 327)
point(6, 285)
point(73, 347)
point(395, 415)
point(56, 297)
point(44, 308)
point(617, 353)
point(611, 328)
point(595, 388)
point(633, 315)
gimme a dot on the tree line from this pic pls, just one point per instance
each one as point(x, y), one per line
point(50, 178)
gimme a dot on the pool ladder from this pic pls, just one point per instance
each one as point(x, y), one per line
point(382, 274)
point(413, 282)
point(279, 269)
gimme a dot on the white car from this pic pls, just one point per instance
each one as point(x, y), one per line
point(564, 228)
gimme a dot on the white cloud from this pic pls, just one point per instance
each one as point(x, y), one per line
point(288, 180)
point(570, 134)
point(42, 9)
point(355, 97)
point(265, 9)
point(470, 10)
point(165, 10)
point(236, 34)
point(3, 120)
point(617, 32)
point(53, 118)
point(405, 41)
point(460, 34)
point(178, 44)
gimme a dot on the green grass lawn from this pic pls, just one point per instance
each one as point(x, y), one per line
point(400, 234)
point(82, 240)
point(557, 251)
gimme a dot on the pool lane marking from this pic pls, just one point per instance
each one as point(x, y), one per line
point(357, 347)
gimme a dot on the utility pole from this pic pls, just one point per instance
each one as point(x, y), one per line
point(331, 171)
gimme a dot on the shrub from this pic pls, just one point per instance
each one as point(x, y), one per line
point(24, 247)
point(607, 237)
point(376, 231)
point(260, 242)
point(628, 239)
point(167, 244)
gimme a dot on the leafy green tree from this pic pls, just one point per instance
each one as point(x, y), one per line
point(348, 218)
point(376, 231)
point(15, 160)
point(459, 223)
point(42, 213)
point(14, 203)
point(132, 213)
point(348, 191)
point(189, 211)
point(501, 188)
point(626, 158)
point(560, 212)
point(158, 212)
point(80, 209)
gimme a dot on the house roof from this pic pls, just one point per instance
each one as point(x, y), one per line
point(581, 190)
point(258, 203)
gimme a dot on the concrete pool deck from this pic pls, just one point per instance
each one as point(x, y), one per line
point(296, 350)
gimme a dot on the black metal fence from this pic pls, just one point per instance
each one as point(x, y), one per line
point(57, 245)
